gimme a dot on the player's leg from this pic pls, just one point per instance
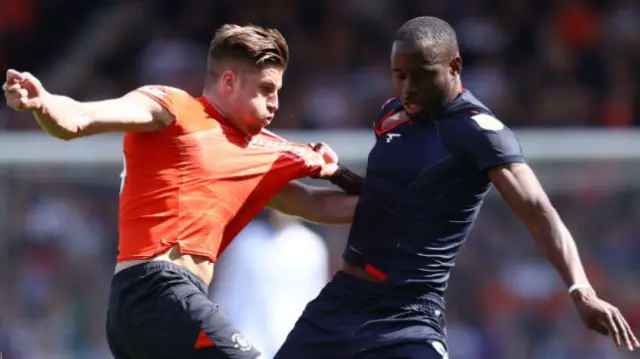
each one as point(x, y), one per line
point(427, 350)
point(160, 310)
point(400, 325)
point(116, 348)
point(325, 328)
point(309, 341)
point(217, 337)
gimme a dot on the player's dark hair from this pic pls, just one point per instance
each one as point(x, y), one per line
point(432, 31)
point(252, 44)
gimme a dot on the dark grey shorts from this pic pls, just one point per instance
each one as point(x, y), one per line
point(355, 319)
point(161, 310)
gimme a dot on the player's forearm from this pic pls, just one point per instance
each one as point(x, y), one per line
point(315, 204)
point(349, 181)
point(553, 236)
point(61, 116)
point(332, 206)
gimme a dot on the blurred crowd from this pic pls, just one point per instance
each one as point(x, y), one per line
point(504, 302)
point(543, 63)
point(536, 63)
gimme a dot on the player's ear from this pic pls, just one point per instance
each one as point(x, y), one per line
point(456, 66)
point(228, 81)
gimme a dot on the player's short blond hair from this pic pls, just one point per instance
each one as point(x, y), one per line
point(252, 44)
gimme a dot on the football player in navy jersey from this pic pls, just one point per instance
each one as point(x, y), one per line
point(438, 151)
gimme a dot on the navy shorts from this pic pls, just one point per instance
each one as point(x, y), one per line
point(161, 310)
point(356, 319)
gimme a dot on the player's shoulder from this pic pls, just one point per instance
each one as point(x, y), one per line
point(481, 121)
point(468, 113)
point(472, 128)
point(182, 106)
point(164, 92)
point(472, 120)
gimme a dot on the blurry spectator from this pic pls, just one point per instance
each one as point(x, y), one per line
point(520, 55)
point(267, 276)
point(173, 60)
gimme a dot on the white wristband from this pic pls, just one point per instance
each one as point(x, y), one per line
point(579, 286)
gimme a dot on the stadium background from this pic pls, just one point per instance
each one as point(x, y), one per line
point(563, 73)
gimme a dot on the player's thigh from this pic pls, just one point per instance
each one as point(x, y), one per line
point(117, 350)
point(184, 323)
point(428, 350)
point(218, 337)
point(309, 341)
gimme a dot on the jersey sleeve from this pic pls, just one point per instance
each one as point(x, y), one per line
point(169, 97)
point(484, 140)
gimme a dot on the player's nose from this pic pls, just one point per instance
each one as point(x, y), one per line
point(408, 90)
point(273, 104)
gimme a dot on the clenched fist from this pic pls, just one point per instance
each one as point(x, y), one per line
point(23, 91)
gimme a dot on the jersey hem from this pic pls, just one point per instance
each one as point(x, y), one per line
point(164, 249)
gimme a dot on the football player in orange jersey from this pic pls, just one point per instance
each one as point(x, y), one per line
point(197, 170)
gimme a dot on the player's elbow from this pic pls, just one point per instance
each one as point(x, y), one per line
point(63, 133)
point(66, 135)
point(540, 217)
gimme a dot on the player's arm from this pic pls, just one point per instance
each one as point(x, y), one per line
point(348, 181)
point(522, 191)
point(315, 204)
point(66, 118)
point(495, 150)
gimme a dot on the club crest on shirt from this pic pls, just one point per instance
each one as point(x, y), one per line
point(488, 122)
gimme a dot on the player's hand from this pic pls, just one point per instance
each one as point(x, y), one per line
point(604, 318)
point(23, 91)
point(330, 158)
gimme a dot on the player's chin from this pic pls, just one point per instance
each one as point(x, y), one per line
point(413, 109)
point(258, 126)
point(416, 115)
point(254, 130)
point(266, 121)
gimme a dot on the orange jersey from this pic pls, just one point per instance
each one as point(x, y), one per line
point(199, 181)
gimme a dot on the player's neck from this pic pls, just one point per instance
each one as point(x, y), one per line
point(213, 101)
point(457, 90)
point(225, 115)
point(449, 97)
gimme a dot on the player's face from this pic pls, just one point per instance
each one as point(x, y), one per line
point(422, 79)
point(255, 99)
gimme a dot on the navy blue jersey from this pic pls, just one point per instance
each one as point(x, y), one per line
point(424, 186)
